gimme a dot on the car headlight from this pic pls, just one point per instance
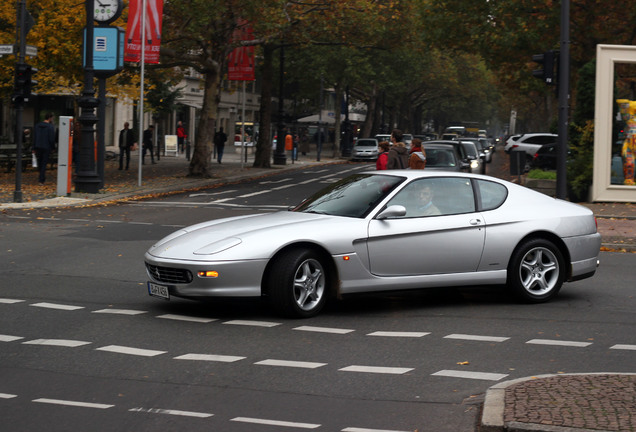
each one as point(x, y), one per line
point(474, 164)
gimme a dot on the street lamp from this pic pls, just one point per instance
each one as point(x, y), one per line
point(87, 179)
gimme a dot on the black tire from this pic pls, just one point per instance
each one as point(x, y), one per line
point(536, 271)
point(298, 284)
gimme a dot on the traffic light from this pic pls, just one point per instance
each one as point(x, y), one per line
point(24, 82)
point(30, 82)
point(547, 59)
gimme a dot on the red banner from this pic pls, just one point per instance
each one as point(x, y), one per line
point(151, 32)
point(240, 62)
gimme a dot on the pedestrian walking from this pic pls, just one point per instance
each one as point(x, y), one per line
point(126, 143)
point(417, 159)
point(181, 136)
point(44, 144)
point(383, 147)
point(219, 143)
point(147, 144)
point(398, 157)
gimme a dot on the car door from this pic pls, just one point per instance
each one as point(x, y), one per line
point(443, 236)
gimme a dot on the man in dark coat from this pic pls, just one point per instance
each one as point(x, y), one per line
point(219, 142)
point(126, 142)
point(148, 144)
point(44, 144)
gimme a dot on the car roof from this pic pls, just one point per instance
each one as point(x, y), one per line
point(414, 174)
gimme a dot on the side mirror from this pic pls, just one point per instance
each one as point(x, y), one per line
point(392, 211)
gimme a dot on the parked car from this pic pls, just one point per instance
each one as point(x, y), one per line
point(477, 165)
point(444, 156)
point(440, 229)
point(408, 140)
point(365, 149)
point(509, 142)
point(546, 157)
point(383, 137)
point(530, 143)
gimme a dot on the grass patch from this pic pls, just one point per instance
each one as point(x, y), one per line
point(542, 175)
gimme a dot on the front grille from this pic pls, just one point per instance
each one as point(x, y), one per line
point(169, 274)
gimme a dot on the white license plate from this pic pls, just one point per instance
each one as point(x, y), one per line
point(157, 290)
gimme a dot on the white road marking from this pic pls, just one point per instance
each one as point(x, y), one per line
point(288, 363)
point(559, 343)
point(171, 412)
point(210, 357)
point(141, 223)
point(108, 221)
point(78, 220)
point(355, 429)
point(57, 342)
point(276, 181)
point(376, 369)
point(132, 351)
point(252, 323)
point(120, 311)
point(275, 422)
point(399, 334)
point(471, 375)
point(56, 306)
point(10, 301)
point(7, 396)
point(283, 187)
point(186, 318)
point(477, 338)
point(323, 329)
point(9, 338)
point(212, 194)
point(254, 194)
point(624, 347)
point(73, 403)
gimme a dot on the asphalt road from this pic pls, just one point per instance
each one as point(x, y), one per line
point(83, 347)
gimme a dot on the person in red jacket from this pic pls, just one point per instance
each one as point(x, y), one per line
point(383, 157)
point(181, 136)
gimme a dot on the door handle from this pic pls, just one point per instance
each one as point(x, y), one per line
point(475, 221)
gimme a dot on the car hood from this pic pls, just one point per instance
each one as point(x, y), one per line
point(258, 236)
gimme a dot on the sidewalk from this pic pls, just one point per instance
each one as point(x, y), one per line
point(168, 175)
point(552, 403)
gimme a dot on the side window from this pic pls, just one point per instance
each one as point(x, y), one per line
point(436, 196)
point(492, 194)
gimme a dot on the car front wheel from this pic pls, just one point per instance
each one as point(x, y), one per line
point(536, 271)
point(298, 284)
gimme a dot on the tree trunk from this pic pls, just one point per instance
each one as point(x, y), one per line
point(262, 158)
point(200, 165)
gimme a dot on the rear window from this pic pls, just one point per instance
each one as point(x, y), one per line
point(492, 194)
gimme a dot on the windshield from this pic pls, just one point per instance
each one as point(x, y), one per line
point(354, 196)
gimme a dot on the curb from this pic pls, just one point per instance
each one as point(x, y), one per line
point(492, 417)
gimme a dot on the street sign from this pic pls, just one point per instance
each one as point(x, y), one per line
point(31, 50)
point(6, 49)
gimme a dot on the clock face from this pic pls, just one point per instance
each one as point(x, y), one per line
point(106, 10)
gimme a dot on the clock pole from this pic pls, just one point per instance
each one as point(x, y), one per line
point(87, 179)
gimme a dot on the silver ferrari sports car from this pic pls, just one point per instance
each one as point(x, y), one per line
point(381, 231)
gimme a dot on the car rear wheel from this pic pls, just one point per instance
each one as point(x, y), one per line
point(536, 271)
point(298, 284)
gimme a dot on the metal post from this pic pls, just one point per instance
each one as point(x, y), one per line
point(319, 140)
point(564, 100)
point(21, 32)
point(87, 179)
point(279, 154)
point(101, 130)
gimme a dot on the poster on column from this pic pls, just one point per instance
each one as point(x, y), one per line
point(151, 31)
